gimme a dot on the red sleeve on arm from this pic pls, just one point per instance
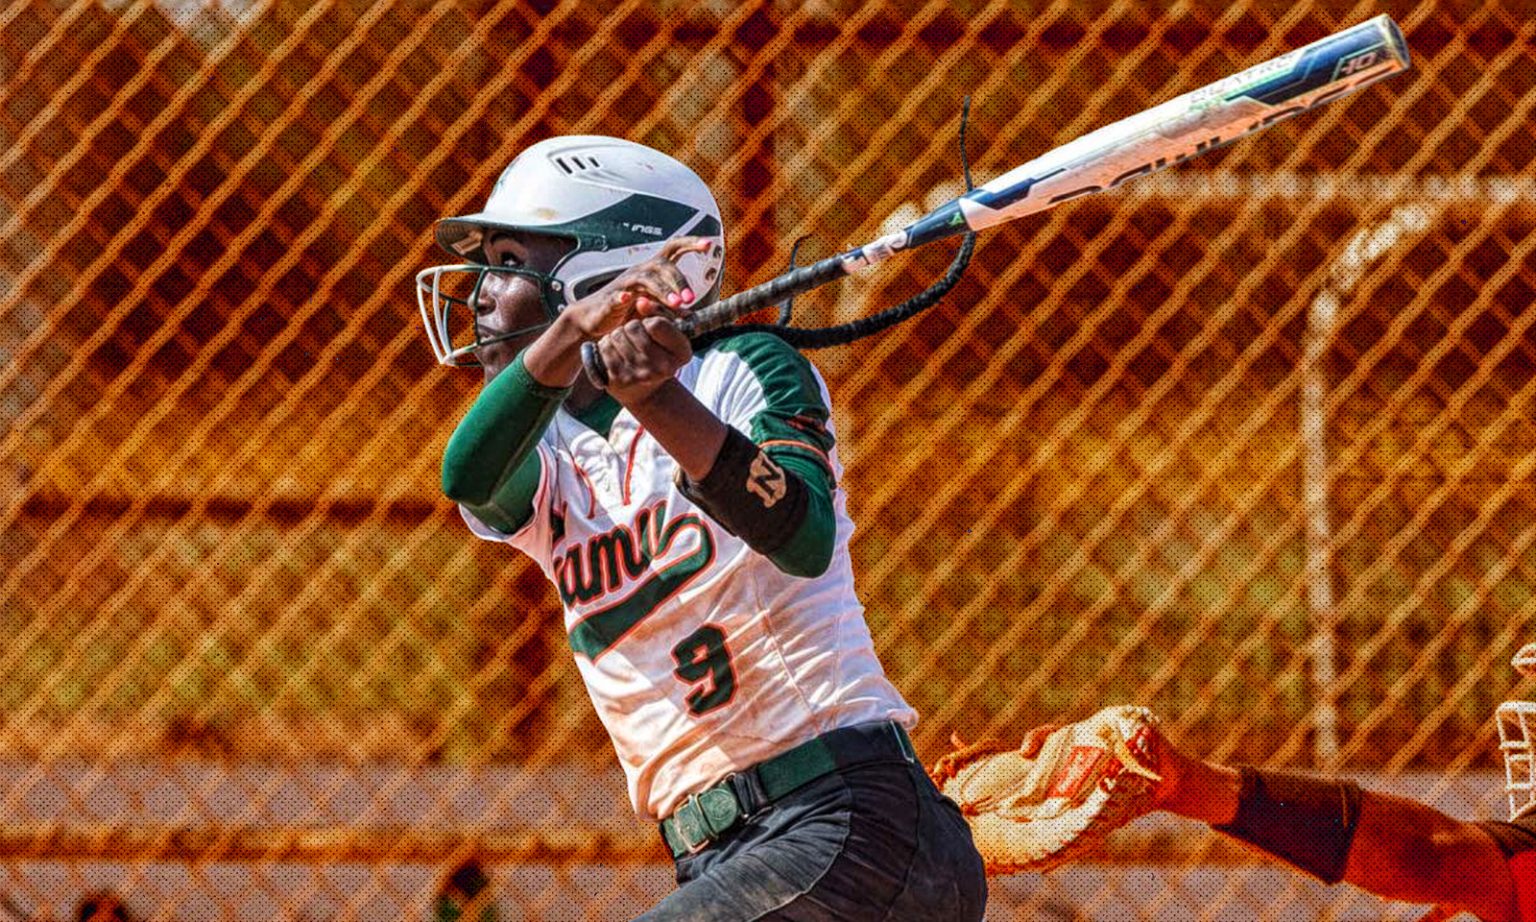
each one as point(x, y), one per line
point(1522, 868)
point(1517, 840)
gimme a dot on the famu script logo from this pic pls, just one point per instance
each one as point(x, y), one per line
point(613, 561)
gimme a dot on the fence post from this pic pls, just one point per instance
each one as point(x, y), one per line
point(1365, 247)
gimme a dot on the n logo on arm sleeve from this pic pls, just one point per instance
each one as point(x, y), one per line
point(766, 481)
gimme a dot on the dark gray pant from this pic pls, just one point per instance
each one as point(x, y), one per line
point(872, 842)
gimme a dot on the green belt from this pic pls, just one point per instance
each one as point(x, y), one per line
point(707, 815)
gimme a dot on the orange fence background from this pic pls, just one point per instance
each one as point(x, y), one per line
point(1249, 441)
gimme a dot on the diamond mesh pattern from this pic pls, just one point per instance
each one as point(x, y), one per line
point(1249, 442)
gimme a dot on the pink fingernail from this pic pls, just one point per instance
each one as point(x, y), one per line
point(674, 299)
point(687, 295)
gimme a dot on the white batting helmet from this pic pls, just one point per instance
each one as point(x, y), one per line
point(1517, 737)
point(615, 200)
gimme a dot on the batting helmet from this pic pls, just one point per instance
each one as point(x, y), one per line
point(1517, 740)
point(616, 201)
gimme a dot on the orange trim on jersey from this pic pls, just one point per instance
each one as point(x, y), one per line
point(820, 455)
point(629, 465)
point(591, 490)
point(807, 424)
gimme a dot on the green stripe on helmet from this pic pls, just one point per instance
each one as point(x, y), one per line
point(638, 219)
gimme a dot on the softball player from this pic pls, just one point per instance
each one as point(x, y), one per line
point(691, 520)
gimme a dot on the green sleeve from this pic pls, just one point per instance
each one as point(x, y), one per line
point(791, 425)
point(808, 552)
point(491, 466)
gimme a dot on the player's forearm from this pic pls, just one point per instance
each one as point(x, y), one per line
point(683, 426)
point(1205, 791)
point(554, 359)
point(806, 531)
point(1395, 848)
point(1406, 850)
point(497, 436)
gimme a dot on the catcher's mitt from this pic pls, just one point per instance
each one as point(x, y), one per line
point(1090, 778)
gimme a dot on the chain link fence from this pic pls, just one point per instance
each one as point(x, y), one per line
point(1249, 441)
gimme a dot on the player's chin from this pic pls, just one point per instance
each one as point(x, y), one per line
point(497, 357)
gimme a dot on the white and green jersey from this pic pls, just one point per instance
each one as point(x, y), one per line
point(700, 655)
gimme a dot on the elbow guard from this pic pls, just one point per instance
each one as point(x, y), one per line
point(749, 495)
point(1308, 822)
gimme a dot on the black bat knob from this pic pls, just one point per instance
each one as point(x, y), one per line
point(592, 361)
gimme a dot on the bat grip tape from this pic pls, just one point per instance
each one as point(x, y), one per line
point(721, 313)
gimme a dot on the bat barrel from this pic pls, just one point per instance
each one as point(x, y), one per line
point(1213, 116)
point(1167, 134)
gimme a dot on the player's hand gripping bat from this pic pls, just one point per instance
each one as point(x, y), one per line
point(1144, 143)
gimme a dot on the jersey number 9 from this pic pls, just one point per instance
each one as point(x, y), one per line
point(703, 661)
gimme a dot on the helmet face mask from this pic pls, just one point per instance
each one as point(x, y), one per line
point(618, 201)
point(1517, 741)
point(447, 296)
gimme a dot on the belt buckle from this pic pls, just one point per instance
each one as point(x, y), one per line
point(697, 809)
point(691, 809)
